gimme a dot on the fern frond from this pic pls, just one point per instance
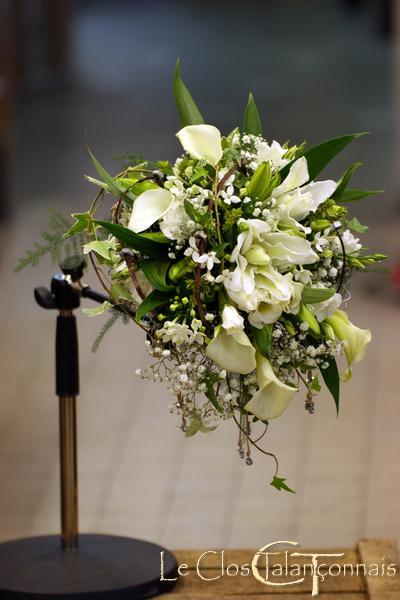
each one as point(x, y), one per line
point(113, 318)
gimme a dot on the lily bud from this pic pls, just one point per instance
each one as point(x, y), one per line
point(306, 316)
point(259, 183)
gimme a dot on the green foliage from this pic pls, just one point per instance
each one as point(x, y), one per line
point(195, 215)
point(362, 261)
point(101, 247)
point(251, 119)
point(312, 295)
point(52, 243)
point(210, 379)
point(279, 484)
point(322, 154)
point(152, 301)
point(113, 186)
point(354, 195)
point(188, 112)
point(144, 244)
point(355, 225)
point(155, 272)
point(345, 179)
point(263, 339)
point(196, 425)
point(332, 380)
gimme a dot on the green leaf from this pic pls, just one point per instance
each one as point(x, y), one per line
point(319, 156)
point(251, 120)
point(355, 225)
point(354, 195)
point(315, 385)
point(155, 272)
point(102, 248)
point(115, 188)
point(332, 380)
point(210, 379)
point(197, 424)
point(141, 243)
point(263, 339)
point(135, 185)
point(120, 292)
point(188, 112)
point(152, 301)
point(194, 214)
point(82, 221)
point(279, 484)
point(345, 179)
point(97, 310)
point(313, 295)
point(306, 316)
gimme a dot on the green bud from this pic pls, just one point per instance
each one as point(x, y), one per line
point(329, 334)
point(185, 300)
point(179, 269)
point(290, 328)
point(320, 224)
point(259, 183)
point(307, 316)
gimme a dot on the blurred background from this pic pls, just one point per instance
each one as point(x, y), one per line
point(103, 70)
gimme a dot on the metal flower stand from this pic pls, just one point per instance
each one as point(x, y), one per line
point(77, 566)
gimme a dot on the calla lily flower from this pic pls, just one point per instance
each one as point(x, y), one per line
point(356, 339)
point(231, 349)
point(202, 142)
point(273, 395)
point(148, 208)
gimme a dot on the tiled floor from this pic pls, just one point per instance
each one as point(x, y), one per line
point(138, 475)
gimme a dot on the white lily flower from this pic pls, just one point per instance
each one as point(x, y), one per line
point(202, 142)
point(273, 395)
point(355, 339)
point(148, 208)
point(232, 351)
point(271, 153)
point(286, 249)
point(300, 201)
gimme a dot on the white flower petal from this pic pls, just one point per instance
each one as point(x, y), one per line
point(286, 249)
point(148, 208)
point(356, 339)
point(273, 395)
point(231, 320)
point(297, 176)
point(232, 352)
point(202, 142)
point(320, 191)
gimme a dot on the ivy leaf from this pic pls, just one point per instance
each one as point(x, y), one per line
point(97, 310)
point(279, 484)
point(251, 120)
point(152, 301)
point(322, 154)
point(155, 272)
point(102, 248)
point(146, 245)
point(332, 380)
point(355, 225)
point(82, 221)
point(263, 339)
point(354, 195)
point(194, 426)
point(120, 292)
point(188, 112)
point(313, 295)
point(345, 179)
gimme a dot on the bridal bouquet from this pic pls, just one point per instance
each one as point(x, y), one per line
point(235, 262)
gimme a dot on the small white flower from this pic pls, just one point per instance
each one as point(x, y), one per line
point(228, 195)
point(207, 260)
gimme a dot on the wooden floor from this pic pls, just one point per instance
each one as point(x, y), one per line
point(206, 578)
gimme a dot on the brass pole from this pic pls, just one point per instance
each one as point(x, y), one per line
point(69, 473)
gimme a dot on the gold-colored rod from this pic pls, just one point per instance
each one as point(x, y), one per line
point(69, 473)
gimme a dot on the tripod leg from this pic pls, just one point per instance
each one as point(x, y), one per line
point(67, 384)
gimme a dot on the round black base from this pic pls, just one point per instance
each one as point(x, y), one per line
point(102, 567)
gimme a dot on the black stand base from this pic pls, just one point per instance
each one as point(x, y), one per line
point(102, 567)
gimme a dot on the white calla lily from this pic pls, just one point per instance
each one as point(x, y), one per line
point(232, 321)
point(232, 351)
point(202, 142)
point(148, 208)
point(273, 395)
point(356, 339)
